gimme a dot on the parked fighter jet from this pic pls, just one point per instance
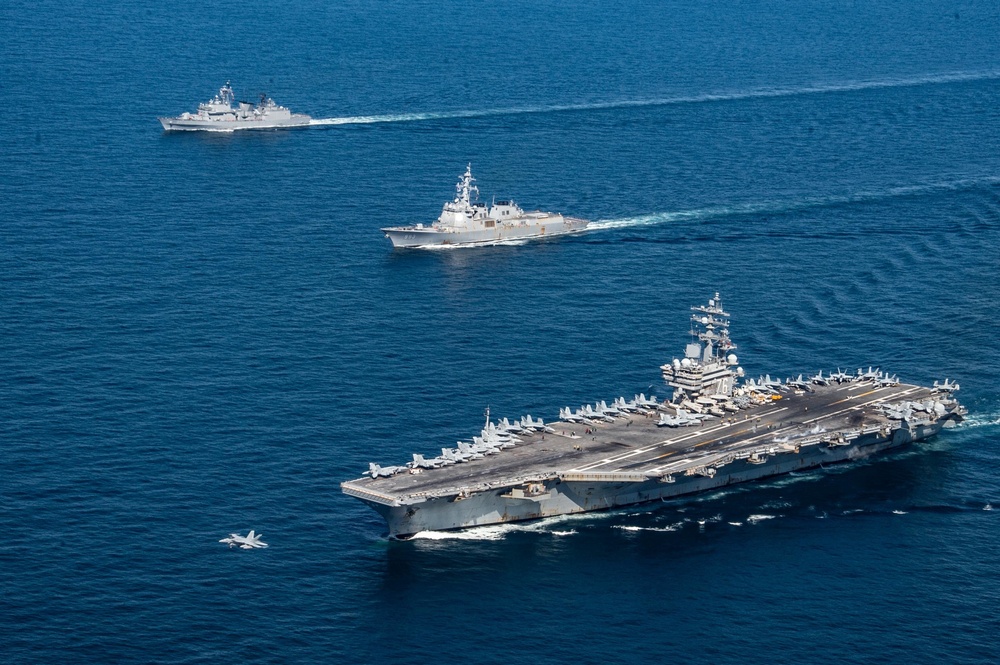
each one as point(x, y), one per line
point(682, 419)
point(536, 425)
point(452, 456)
point(946, 387)
point(468, 450)
point(594, 415)
point(897, 411)
point(511, 426)
point(420, 463)
point(870, 375)
point(650, 403)
point(799, 383)
point(609, 410)
point(566, 415)
point(773, 384)
point(251, 541)
point(760, 387)
point(886, 381)
point(820, 380)
point(840, 376)
point(384, 471)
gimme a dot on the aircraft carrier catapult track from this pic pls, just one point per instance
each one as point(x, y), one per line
point(713, 433)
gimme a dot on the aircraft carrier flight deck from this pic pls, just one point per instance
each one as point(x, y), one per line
point(719, 428)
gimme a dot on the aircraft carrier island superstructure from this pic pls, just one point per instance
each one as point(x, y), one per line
point(718, 429)
point(466, 221)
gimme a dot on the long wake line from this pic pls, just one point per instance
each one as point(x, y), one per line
point(759, 93)
point(774, 207)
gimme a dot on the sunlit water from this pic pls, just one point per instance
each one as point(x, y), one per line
point(206, 333)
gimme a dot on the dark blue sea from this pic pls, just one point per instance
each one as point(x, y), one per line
point(206, 333)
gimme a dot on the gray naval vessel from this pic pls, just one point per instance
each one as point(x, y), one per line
point(466, 221)
point(219, 115)
point(719, 428)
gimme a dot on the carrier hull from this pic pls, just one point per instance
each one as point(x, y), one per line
point(700, 458)
point(712, 434)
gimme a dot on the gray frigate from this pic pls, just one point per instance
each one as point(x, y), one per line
point(219, 115)
point(467, 221)
point(719, 428)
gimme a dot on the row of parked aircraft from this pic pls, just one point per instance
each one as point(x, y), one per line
point(601, 412)
point(493, 438)
point(905, 410)
point(682, 419)
point(767, 385)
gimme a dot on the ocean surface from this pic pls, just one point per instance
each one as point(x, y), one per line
point(206, 333)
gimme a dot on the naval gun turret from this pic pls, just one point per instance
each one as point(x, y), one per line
point(709, 366)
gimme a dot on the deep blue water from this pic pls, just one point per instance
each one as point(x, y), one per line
point(206, 333)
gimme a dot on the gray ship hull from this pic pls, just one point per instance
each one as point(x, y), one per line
point(430, 236)
point(194, 125)
point(569, 493)
point(576, 467)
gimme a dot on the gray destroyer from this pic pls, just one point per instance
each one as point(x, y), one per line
point(718, 429)
point(466, 221)
point(219, 115)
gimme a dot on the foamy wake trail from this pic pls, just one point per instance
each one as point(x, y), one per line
point(756, 93)
point(500, 531)
point(475, 533)
point(775, 207)
point(981, 420)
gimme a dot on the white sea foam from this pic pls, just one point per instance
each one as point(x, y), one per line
point(899, 512)
point(564, 533)
point(670, 527)
point(753, 519)
point(980, 420)
point(475, 533)
point(755, 93)
point(492, 243)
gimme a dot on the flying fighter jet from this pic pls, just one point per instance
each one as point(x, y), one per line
point(251, 541)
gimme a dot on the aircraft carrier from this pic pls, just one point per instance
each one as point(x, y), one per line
point(466, 221)
point(718, 429)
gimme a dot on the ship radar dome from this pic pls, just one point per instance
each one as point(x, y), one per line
point(739, 371)
point(704, 320)
point(686, 362)
point(731, 359)
point(676, 363)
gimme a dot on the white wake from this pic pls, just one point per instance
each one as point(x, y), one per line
point(756, 93)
